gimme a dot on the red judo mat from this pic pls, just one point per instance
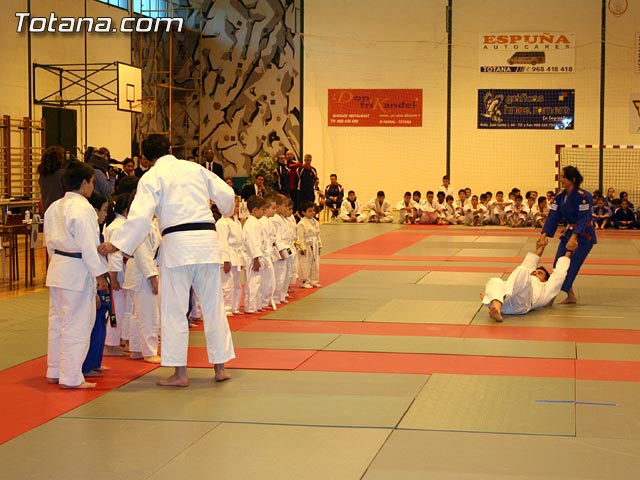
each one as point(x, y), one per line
point(27, 400)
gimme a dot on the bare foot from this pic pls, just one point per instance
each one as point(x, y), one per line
point(495, 311)
point(103, 368)
point(569, 300)
point(52, 380)
point(174, 381)
point(93, 373)
point(152, 359)
point(221, 373)
point(82, 386)
point(135, 356)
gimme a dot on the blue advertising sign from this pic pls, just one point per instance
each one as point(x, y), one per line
point(526, 109)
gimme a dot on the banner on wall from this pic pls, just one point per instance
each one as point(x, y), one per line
point(528, 52)
point(634, 114)
point(375, 108)
point(526, 109)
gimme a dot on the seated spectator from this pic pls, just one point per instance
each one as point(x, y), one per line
point(542, 212)
point(426, 210)
point(474, 213)
point(601, 214)
point(460, 204)
point(257, 188)
point(229, 181)
point(611, 196)
point(408, 209)
point(517, 213)
point(625, 196)
point(380, 210)
point(318, 199)
point(624, 217)
point(333, 196)
point(448, 212)
point(497, 209)
point(351, 209)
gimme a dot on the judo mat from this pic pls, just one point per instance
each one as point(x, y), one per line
point(391, 370)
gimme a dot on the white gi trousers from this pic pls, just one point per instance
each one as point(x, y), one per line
point(174, 291)
point(310, 264)
point(252, 286)
point(515, 293)
point(282, 279)
point(132, 323)
point(267, 284)
point(121, 330)
point(72, 315)
point(231, 289)
point(146, 320)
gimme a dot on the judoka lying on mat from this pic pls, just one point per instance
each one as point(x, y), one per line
point(528, 287)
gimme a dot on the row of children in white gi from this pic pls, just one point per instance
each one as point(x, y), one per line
point(271, 249)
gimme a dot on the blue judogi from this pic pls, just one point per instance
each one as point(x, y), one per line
point(574, 209)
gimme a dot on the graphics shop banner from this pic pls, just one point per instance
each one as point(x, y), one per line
point(533, 52)
point(526, 109)
point(375, 108)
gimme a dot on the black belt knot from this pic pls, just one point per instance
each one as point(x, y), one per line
point(185, 227)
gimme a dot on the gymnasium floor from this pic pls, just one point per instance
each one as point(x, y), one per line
point(390, 371)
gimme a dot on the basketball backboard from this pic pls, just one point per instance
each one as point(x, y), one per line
point(129, 88)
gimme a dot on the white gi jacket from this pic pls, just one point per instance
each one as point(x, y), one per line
point(283, 233)
point(269, 246)
point(387, 211)
point(309, 235)
point(347, 209)
point(230, 237)
point(252, 239)
point(116, 262)
point(178, 192)
point(143, 264)
point(71, 225)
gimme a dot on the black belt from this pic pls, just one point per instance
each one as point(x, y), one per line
point(68, 254)
point(185, 227)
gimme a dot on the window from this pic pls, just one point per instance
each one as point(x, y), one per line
point(117, 3)
point(152, 8)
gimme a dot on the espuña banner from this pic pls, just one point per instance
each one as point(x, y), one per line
point(527, 52)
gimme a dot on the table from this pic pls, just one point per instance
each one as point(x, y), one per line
point(6, 205)
point(13, 233)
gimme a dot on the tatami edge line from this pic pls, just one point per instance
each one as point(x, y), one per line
point(483, 432)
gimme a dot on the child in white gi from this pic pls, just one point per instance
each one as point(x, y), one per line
point(309, 245)
point(284, 248)
point(351, 209)
point(230, 237)
point(474, 213)
point(428, 214)
point(252, 246)
point(141, 281)
point(497, 214)
point(408, 209)
point(447, 212)
point(119, 296)
point(293, 235)
point(268, 278)
point(76, 269)
point(380, 210)
point(517, 213)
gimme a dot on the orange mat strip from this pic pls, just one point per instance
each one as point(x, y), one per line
point(254, 358)
point(27, 400)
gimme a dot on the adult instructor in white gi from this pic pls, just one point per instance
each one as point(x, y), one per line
point(178, 192)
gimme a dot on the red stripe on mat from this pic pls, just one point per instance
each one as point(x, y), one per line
point(254, 358)
point(503, 332)
point(27, 400)
point(385, 244)
point(416, 363)
point(609, 370)
point(452, 258)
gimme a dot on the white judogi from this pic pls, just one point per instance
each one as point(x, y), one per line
point(252, 247)
point(518, 212)
point(522, 292)
point(541, 216)
point(230, 237)
point(346, 210)
point(179, 192)
point(284, 244)
point(533, 211)
point(309, 244)
point(447, 213)
point(120, 298)
point(294, 258)
point(497, 213)
point(71, 225)
point(472, 213)
point(385, 207)
point(428, 214)
point(413, 208)
point(447, 191)
point(268, 275)
point(145, 319)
